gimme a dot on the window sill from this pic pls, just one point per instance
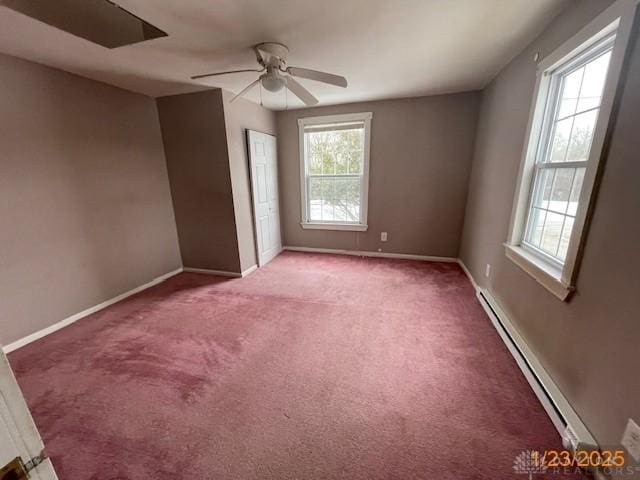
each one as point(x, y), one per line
point(545, 274)
point(334, 226)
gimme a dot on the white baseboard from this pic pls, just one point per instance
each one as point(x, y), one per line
point(249, 270)
point(363, 253)
point(468, 274)
point(74, 318)
point(219, 273)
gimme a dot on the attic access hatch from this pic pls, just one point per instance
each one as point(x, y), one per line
point(99, 21)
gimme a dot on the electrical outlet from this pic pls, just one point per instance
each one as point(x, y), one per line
point(383, 236)
point(631, 439)
point(487, 270)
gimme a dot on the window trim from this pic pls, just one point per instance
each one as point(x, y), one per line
point(362, 226)
point(561, 281)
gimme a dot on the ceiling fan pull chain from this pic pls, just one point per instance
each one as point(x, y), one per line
point(261, 95)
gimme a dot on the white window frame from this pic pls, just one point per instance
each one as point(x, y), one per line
point(558, 278)
point(306, 223)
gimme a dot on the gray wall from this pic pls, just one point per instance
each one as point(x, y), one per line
point(84, 198)
point(195, 143)
point(421, 151)
point(240, 116)
point(588, 345)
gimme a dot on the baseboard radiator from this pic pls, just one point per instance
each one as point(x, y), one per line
point(574, 433)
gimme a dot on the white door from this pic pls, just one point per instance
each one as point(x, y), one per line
point(264, 186)
point(19, 437)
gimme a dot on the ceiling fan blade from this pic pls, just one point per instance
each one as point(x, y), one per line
point(195, 77)
point(246, 89)
point(301, 92)
point(336, 80)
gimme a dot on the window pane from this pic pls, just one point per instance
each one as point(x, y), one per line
point(570, 92)
point(339, 211)
point(561, 189)
point(347, 199)
point(564, 238)
point(327, 198)
point(581, 135)
point(575, 192)
point(328, 162)
point(567, 107)
point(334, 199)
point(315, 198)
point(536, 226)
point(339, 151)
point(315, 164)
point(313, 154)
point(560, 140)
point(543, 184)
point(593, 83)
point(355, 161)
point(571, 84)
point(551, 233)
point(342, 163)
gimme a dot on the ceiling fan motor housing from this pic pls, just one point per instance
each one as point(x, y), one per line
point(271, 54)
point(273, 80)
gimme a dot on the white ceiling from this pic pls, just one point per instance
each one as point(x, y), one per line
point(385, 48)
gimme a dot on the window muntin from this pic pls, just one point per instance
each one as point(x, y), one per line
point(572, 108)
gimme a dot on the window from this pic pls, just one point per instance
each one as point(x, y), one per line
point(574, 103)
point(334, 165)
point(570, 116)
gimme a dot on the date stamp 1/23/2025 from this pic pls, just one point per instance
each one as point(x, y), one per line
point(535, 462)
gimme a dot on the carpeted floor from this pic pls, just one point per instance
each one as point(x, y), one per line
point(313, 367)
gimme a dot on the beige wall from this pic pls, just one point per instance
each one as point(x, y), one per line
point(85, 206)
point(590, 344)
point(421, 152)
point(240, 116)
point(195, 142)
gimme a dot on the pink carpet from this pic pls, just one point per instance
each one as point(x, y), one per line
point(313, 367)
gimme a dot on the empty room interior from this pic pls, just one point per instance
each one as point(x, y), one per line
point(317, 240)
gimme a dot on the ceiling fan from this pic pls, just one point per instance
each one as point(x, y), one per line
point(272, 57)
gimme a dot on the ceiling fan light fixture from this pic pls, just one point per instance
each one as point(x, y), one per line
point(273, 83)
